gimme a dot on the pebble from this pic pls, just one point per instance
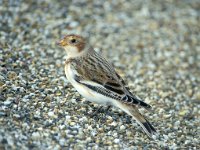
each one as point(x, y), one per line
point(122, 127)
point(35, 135)
point(11, 75)
point(7, 102)
point(183, 112)
point(197, 96)
point(72, 123)
point(51, 113)
point(2, 113)
point(117, 140)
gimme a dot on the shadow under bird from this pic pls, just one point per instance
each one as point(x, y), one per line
point(96, 80)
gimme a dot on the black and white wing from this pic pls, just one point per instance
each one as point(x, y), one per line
point(97, 74)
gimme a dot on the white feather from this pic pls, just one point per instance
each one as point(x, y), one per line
point(86, 92)
point(73, 52)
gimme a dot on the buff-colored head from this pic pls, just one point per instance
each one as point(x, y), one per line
point(73, 44)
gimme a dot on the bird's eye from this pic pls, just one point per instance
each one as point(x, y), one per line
point(73, 41)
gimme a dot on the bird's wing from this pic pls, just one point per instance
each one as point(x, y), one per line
point(99, 75)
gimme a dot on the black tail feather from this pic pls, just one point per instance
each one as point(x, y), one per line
point(149, 127)
point(152, 128)
point(141, 103)
point(145, 105)
point(144, 123)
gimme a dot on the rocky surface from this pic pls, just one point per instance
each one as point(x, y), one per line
point(155, 45)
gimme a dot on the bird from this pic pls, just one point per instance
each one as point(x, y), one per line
point(95, 78)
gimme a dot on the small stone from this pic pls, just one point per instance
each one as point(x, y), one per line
point(114, 123)
point(197, 96)
point(51, 113)
point(116, 146)
point(88, 139)
point(122, 127)
point(35, 135)
point(165, 137)
point(58, 93)
point(16, 116)
point(73, 24)
point(11, 75)
point(183, 112)
point(189, 92)
point(62, 141)
point(81, 135)
point(7, 102)
point(167, 116)
point(79, 146)
point(177, 123)
point(108, 143)
point(72, 123)
point(67, 117)
point(116, 141)
point(100, 130)
point(2, 113)
point(163, 94)
point(10, 140)
point(1, 77)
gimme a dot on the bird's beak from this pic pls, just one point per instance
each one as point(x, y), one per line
point(61, 43)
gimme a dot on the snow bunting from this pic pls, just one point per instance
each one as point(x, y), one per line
point(96, 80)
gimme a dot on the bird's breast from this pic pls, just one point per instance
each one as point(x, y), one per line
point(84, 91)
point(89, 94)
point(68, 72)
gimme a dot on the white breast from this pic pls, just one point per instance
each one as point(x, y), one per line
point(84, 91)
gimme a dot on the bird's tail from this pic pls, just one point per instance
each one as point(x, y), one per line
point(139, 102)
point(144, 123)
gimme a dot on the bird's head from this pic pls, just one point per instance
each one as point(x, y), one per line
point(73, 44)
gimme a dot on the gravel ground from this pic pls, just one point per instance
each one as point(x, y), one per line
point(154, 44)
